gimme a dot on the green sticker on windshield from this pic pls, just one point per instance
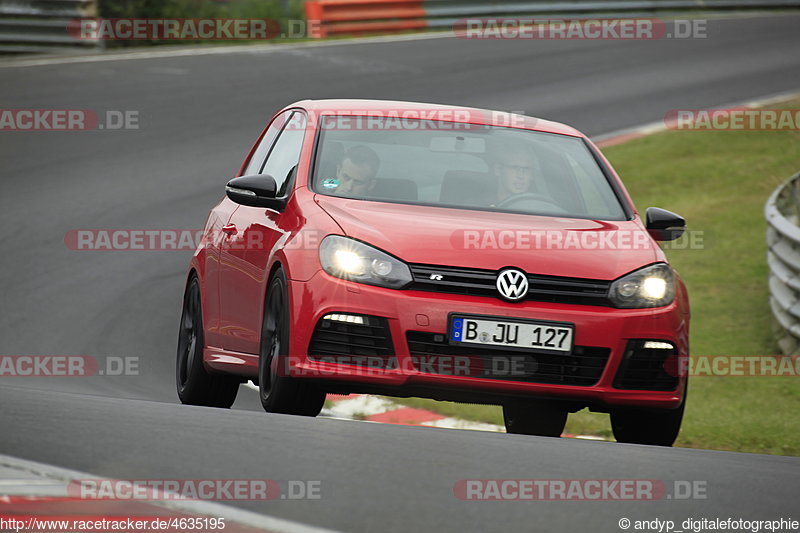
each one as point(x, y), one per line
point(330, 183)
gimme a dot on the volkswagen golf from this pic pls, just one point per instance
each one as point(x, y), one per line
point(452, 253)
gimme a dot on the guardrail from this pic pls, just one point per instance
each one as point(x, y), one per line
point(41, 25)
point(782, 212)
point(339, 17)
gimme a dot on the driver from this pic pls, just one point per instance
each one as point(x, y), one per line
point(514, 171)
point(355, 175)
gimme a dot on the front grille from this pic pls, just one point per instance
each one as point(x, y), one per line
point(646, 369)
point(477, 282)
point(431, 353)
point(368, 344)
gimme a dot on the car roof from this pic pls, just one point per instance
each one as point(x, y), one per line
point(400, 109)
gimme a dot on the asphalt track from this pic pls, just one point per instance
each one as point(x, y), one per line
point(198, 117)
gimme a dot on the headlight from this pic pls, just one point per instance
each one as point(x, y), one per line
point(651, 286)
point(355, 261)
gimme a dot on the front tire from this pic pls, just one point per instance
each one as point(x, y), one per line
point(195, 385)
point(536, 417)
point(280, 393)
point(656, 428)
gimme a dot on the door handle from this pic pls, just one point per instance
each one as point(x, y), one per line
point(229, 230)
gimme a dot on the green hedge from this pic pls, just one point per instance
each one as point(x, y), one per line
point(280, 10)
point(199, 8)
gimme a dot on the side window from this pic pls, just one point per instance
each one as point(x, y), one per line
point(282, 160)
point(256, 162)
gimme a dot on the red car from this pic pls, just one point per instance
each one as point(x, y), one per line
point(452, 253)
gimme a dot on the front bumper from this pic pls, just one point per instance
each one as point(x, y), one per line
point(417, 311)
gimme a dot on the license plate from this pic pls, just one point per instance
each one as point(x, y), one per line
point(512, 333)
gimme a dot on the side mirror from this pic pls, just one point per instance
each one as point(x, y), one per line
point(664, 225)
point(255, 191)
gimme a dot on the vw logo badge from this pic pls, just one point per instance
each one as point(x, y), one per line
point(512, 284)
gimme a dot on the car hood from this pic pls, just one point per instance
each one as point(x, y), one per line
point(543, 245)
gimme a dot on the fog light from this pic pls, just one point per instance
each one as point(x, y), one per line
point(350, 319)
point(658, 345)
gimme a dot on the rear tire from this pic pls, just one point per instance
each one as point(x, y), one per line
point(280, 393)
point(656, 428)
point(535, 417)
point(195, 385)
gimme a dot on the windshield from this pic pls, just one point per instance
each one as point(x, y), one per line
point(456, 165)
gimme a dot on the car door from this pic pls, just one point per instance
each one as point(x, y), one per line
point(217, 232)
point(251, 234)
